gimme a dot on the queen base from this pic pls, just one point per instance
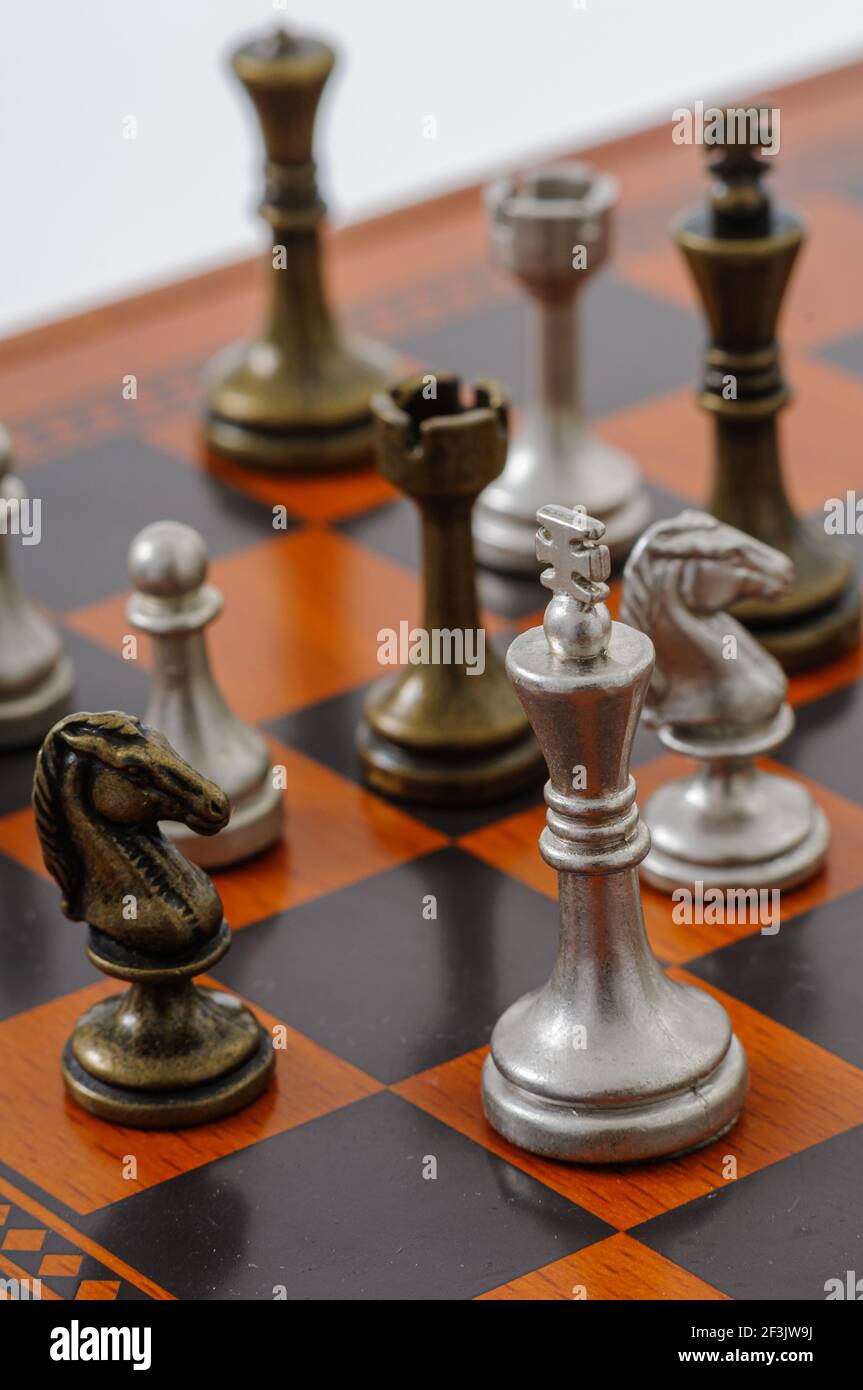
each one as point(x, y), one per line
point(261, 417)
point(406, 774)
point(255, 825)
point(662, 1127)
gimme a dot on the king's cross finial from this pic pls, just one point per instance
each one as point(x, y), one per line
point(568, 542)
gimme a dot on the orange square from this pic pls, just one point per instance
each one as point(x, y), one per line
point(799, 1095)
point(23, 1239)
point(302, 614)
point(671, 440)
point(335, 834)
point(618, 1269)
point(819, 433)
point(81, 1160)
point(811, 685)
point(60, 1266)
point(103, 1290)
point(313, 496)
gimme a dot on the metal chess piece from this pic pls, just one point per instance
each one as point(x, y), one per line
point(298, 396)
point(552, 231)
point(173, 604)
point(165, 1053)
point(719, 697)
point(610, 1061)
point(443, 730)
point(36, 676)
point(740, 250)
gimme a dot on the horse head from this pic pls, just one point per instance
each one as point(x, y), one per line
point(103, 782)
point(678, 582)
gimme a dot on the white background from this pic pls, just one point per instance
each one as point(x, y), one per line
point(88, 216)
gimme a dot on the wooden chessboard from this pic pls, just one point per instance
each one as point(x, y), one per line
point(318, 1188)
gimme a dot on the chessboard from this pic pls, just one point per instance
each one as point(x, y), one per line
point(387, 938)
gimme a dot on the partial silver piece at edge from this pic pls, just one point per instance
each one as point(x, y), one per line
point(536, 224)
point(717, 696)
point(173, 604)
point(660, 1071)
point(36, 676)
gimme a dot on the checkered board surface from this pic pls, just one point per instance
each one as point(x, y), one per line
point(319, 1187)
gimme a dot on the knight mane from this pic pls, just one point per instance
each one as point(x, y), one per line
point(58, 851)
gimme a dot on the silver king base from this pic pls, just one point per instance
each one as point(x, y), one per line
point(662, 1127)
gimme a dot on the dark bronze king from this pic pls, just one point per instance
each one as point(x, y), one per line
point(610, 1061)
point(741, 250)
point(298, 396)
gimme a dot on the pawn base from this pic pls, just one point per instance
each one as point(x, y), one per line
point(255, 825)
point(774, 837)
point(28, 718)
point(405, 774)
point(171, 1109)
point(662, 1128)
point(667, 872)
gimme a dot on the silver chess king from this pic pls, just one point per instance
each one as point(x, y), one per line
point(610, 1061)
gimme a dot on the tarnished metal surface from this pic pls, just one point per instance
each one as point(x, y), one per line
point(166, 1052)
point(297, 397)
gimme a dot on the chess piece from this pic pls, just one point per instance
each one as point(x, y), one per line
point(741, 250)
point(609, 1061)
point(173, 605)
point(167, 1052)
point(298, 396)
point(552, 231)
point(719, 697)
point(36, 677)
point(446, 728)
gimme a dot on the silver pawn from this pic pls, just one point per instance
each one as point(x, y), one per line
point(717, 696)
point(610, 1061)
point(172, 603)
point(36, 676)
point(541, 230)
